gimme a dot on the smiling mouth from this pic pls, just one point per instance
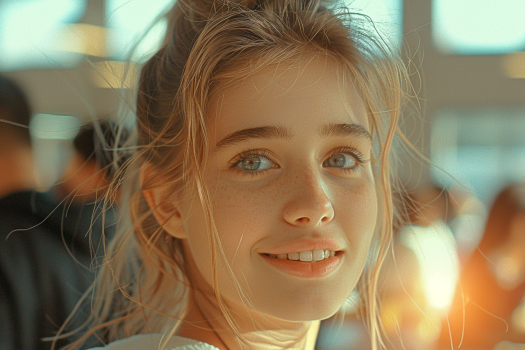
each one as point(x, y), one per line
point(306, 264)
point(306, 256)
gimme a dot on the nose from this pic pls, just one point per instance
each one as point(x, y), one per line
point(310, 204)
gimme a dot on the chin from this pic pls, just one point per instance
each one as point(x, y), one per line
point(313, 307)
point(317, 314)
point(301, 315)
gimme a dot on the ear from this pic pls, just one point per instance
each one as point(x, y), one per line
point(166, 212)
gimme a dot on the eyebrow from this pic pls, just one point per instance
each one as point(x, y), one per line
point(345, 129)
point(281, 132)
point(262, 132)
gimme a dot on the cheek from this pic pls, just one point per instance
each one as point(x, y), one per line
point(241, 217)
point(357, 209)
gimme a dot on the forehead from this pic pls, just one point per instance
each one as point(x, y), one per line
point(313, 90)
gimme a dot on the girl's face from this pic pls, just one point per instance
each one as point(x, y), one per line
point(289, 175)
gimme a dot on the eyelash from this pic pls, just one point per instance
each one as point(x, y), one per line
point(249, 154)
point(265, 154)
point(359, 157)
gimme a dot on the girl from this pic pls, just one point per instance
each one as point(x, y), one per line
point(260, 192)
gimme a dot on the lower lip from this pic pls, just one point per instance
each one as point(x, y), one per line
point(304, 269)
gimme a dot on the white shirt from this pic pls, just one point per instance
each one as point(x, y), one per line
point(152, 342)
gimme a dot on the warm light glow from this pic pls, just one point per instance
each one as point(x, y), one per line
point(427, 330)
point(518, 318)
point(514, 65)
point(391, 316)
point(82, 38)
point(507, 272)
point(435, 250)
point(440, 287)
point(115, 75)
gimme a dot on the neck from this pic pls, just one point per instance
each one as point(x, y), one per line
point(16, 170)
point(206, 322)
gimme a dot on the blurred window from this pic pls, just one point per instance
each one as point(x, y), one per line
point(482, 148)
point(52, 143)
point(30, 33)
point(387, 16)
point(471, 27)
point(135, 33)
point(46, 33)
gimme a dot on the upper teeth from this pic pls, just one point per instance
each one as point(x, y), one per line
point(310, 255)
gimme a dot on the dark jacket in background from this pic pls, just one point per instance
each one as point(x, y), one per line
point(40, 280)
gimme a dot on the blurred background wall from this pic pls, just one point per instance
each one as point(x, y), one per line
point(471, 63)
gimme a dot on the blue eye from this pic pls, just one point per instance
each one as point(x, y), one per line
point(255, 163)
point(341, 160)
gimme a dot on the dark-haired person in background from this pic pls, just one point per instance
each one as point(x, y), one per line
point(16, 161)
point(45, 252)
point(90, 170)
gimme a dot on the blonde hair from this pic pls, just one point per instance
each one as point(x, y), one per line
point(209, 44)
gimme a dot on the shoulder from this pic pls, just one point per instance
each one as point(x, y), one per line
point(152, 341)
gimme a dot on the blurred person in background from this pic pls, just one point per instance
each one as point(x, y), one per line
point(419, 275)
point(45, 253)
point(490, 298)
point(16, 161)
point(86, 178)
